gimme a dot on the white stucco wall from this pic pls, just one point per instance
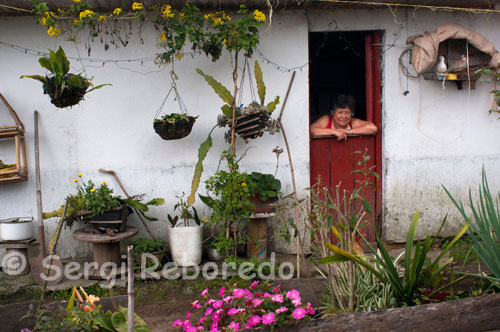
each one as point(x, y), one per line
point(430, 137)
point(113, 127)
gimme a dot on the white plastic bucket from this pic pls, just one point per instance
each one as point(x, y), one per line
point(185, 245)
point(16, 229)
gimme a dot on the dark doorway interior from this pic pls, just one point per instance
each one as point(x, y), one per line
point(337, 66)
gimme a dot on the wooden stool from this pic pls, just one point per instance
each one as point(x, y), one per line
point(106, 248)
point(15, 261)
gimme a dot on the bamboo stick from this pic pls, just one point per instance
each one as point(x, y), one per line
point(12, 112)
point(18, 152)
point(130, 288)
point(25, 172)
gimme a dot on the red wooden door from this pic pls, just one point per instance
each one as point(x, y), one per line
point(334, 160)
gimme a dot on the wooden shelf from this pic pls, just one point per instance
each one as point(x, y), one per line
point(16, 132)
point(461, 77)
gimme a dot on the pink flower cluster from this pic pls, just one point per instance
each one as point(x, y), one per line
point(245, 308)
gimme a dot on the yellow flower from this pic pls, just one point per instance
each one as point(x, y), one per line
point(217, 21)
point(204, 219)
point(259, 16)
point(179, 55)
point(163, 37)
point(137, 6)
point(60, 11)
point(92, 190)
point(76, 180)
point(181, 16)
point(167, 11)
point(208, 16)
point(117, 11)
point(86, 13)
point(54, 31)
point(49, 14)
point(76, 23)
point(102, 18)
point(43, 21)
point(243, 184)
point(77, 0)
point(80, 175)
point(104, 182)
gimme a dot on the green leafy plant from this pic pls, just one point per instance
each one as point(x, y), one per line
point(83, 314)
point(143, 245)
point(341, 213)
point(63, 88)
point(418, 276)
point(91, 201)
point(263, 186)
point(485, 230)
point(186, 212)
point(228, 196)
point(173, 118)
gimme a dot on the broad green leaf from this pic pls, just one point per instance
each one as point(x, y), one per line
point(156, 201)
point(40, 78)
point(272, 105)
point(198, 170)
point(98, 87)
point(227, 111)
point(63, 62)
point(261, 88)
point(219, 89)
point(71, 301)
point(367, 206)
point(335, 232)
point(56, 66)
point(136, 204)
point(333, 259)
point(47, 64)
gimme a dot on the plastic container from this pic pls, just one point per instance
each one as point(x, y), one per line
point(16, 229)
point(185, 245)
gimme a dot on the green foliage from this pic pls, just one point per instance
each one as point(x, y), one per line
point(264, 186)
point(91, 201)
point(219, 89)
point(173, 118)
point(186, 212)
point(261, 87)
point(229, 199)
point(4, 166)
point(419, 272)
point(64, 89)
point(198, 169)
point(143, 245)
point(83, 314)
point(255, 263)
point(485, 230)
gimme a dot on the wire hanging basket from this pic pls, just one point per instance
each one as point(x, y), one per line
point(174, 125)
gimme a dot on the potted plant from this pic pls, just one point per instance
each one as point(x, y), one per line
point(264, 190)
point(16, 229)
point(6, 168)
point(98, 205)
point(174, 125)
point(156, 247)
point(63, 88)
point(185, 242)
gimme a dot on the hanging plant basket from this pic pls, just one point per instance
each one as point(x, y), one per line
point(70, 94)
point(174, 126)
point(251, 125)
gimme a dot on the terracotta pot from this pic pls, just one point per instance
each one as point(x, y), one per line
point(263, 207)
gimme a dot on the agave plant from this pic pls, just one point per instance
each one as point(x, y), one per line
point(418, 276)
point(64, 89)
point(485, 230)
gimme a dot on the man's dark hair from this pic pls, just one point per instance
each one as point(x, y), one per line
point(343, 101)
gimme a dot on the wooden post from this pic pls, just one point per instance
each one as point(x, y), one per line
point(130, 288)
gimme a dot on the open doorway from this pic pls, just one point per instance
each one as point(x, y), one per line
point(337, 67)
point(346, 63)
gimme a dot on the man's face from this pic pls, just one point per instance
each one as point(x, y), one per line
point(342, 117)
